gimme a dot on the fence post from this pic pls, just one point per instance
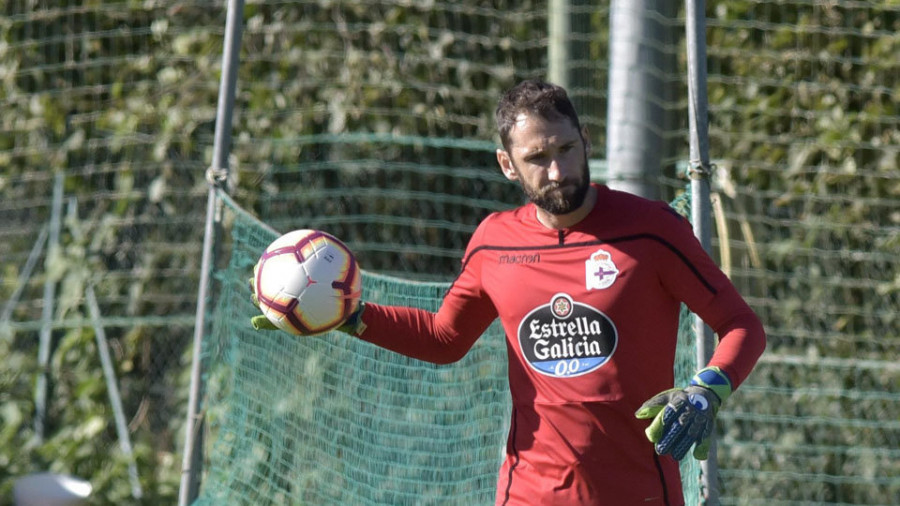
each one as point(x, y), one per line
point(700, 172)
point(559, 28)
point(46, 335)
point(217, 174)
point(112, 388)
point(637, 117)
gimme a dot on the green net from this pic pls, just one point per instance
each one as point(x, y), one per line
point(336, 420)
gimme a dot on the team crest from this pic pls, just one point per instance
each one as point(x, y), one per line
point(599, 270)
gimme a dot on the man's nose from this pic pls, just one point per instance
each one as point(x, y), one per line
point(555, 172)
point(558, 171)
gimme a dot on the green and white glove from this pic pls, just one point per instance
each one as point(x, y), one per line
point(260, 322)
point(684, 417)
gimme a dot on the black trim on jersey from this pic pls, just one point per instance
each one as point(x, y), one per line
point(515, 453)
point(614, 240)
point(662, 478)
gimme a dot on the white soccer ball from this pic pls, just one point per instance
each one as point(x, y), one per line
point(307, 282)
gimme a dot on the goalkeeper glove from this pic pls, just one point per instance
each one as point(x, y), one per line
point(686, 417)
point(260, 322)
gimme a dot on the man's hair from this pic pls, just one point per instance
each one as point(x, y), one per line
point(546, 100)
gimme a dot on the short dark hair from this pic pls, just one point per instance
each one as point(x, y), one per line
point(533, 96)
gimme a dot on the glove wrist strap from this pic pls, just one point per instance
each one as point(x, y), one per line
point(714, 379)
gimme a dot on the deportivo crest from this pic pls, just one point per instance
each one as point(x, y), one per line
point(599, 270)
point(564, 338)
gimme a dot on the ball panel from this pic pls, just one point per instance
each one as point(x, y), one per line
point(298, 327)
point(319, 308)
point(289, 239)
point(278, 318)
point(281, 279)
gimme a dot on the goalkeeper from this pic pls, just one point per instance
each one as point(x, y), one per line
point(588, 284)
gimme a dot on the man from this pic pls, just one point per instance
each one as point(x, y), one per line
point(587, 283)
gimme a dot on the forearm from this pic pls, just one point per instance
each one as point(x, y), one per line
point(421, 334)
point(742, 340)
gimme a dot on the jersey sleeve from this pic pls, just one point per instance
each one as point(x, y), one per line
point(707, 291)
point(442, 337)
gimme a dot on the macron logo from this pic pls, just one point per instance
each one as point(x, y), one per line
point(533, 258)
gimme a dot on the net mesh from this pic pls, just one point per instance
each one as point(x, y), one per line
point(336, 420)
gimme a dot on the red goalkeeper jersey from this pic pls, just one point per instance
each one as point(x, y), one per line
point(591, 317)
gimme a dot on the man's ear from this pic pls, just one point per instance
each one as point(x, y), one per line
point(506, 165)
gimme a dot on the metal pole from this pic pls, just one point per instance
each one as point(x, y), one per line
point(46, 334)
point(109, 373)
point(217, 174)
point(559, 29)
point(24, 276)
point(700, 172)
point(637, 118)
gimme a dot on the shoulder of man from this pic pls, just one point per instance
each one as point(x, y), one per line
point(625, 201)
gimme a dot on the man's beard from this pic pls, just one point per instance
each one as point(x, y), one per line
point(560, 199)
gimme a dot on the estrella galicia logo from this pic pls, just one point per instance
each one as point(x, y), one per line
point(564, 338)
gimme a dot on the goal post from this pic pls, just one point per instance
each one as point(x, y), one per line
point(700, 175)
point(217, 177)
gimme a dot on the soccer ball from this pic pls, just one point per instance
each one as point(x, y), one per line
point(307, 282)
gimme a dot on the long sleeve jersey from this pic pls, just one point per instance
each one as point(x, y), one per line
point(591, 317)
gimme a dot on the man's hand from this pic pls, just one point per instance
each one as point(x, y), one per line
point(685, 417)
